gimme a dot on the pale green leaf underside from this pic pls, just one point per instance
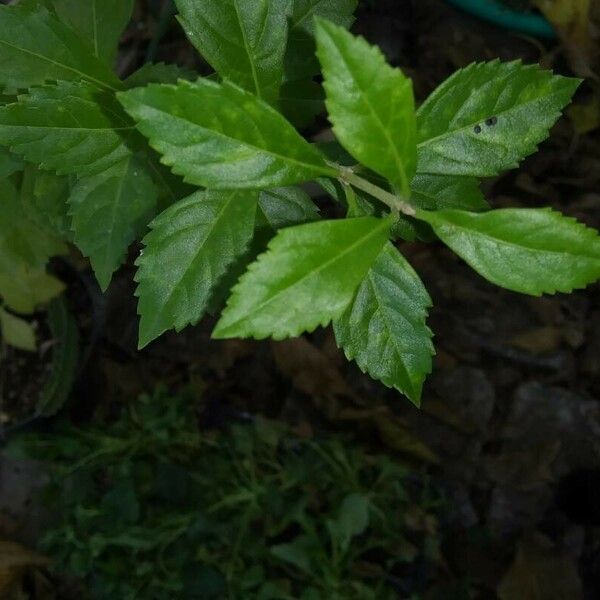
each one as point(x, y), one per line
point(436, 192)
point(370, 104)
point(384, 327)
point(532, 251)
point(243, 40)
point(35, 47)
point(306, 278)
point(100, 22)
point(221, 137)
point(23, 288)
point(189, 249)
point(17, 332)
point(487, 117)
point(109, 211)
point(283, 207)
point(24, 252)
point(68, 128)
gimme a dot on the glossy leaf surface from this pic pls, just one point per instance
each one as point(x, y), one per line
point(69, 128)
point(370, 104)
point(221, 137)
point(35, 47)
point(533, 251)
point(487, 117)
point(100, 22)
point(109, 211)
point(306, 278)
point(384, 328)
point(243, 40)
point(188, 251)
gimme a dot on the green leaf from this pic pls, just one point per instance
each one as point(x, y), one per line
point(35, 47)
point(65, 354)
point(17, 332)
point(188, 251)
point(100, 22)
point(339, 12)
point(9, 163)
point(436, 192)
point(298, 552)
point(235, 142)
point(533, 251)
point(283, 207)
point(24, 252)
point(301, 101)
point(352, 520)
point(158, 73)
point(485, 118)
point(307, 277)
point(44, 197)
point(370, 104)
point(69, 128)
point(384, 328)
point(243, 40)
point(24, 288)
point(21, 240)
point(109, 211)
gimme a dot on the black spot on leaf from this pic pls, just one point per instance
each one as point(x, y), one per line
point(477, 129)
point(491, 121)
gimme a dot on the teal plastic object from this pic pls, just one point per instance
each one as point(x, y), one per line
point(499, 14)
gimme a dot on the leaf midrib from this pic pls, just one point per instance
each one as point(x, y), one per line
point(313, 272)
point(519, 246)
point(366, 100)
point(58, 64)
point(321, 168)
point(470, 126)
point(247, 48)
point(311, 10)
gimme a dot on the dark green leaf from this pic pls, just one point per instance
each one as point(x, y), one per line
point(370, 104)
point(188, 251)
point(44, 197)
point(235, 142)
point(283, 207)
point(158, 73)
point(35, 47)
point(436, 192)
point(532, 251)
point(485, 118)
point(339, 12)
point(20, 238)
point(100, 22)
point(352, 520)
point(69, 128)
point(301, 101)
point(109, 211)
point(384, 328)
point(243, 40)
point(65, 354)
point(307, 277)
point(9, 163)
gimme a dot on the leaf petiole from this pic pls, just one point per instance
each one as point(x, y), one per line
point(397, 204)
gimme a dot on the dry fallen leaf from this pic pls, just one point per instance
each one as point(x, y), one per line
point(14, 562)
point(573, 22)
point(540, 572)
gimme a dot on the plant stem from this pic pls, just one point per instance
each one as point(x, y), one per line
point(396, 203)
